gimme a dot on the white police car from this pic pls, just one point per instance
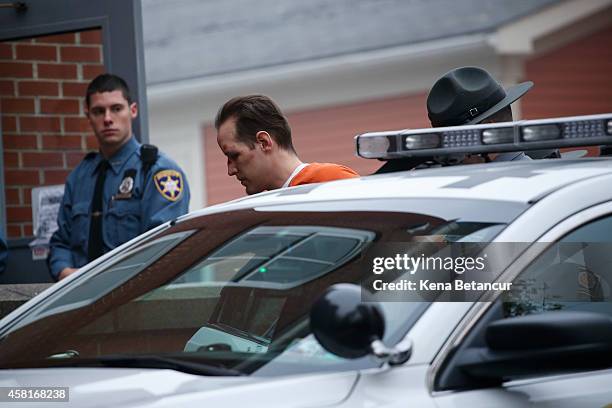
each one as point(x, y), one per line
point(254, 302)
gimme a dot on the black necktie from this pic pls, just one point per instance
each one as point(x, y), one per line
point(96, 243)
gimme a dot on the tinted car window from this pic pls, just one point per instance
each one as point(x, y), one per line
point(232, 294)
point(280, 255)
point(130, 264)
point(572, 274)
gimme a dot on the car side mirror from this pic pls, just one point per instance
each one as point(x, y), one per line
point(350, 326)
point(550, 330)
point(541, 344)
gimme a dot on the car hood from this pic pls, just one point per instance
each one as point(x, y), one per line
point(128, 387)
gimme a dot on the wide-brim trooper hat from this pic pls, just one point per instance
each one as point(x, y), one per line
point(468, 95)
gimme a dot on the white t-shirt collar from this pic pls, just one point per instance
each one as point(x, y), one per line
point(295, 172)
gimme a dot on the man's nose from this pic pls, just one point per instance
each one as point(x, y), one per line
point(231, 169)
point(107, 116)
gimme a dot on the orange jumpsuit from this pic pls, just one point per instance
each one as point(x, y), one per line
point(319, 172)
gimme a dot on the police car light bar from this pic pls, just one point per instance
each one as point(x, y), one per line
point(522, 135)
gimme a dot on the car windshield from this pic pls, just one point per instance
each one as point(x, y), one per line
point(228, 292)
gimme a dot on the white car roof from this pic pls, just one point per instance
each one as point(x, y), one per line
point(516, 182)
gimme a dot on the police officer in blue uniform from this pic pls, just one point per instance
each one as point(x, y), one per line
point(117, 193)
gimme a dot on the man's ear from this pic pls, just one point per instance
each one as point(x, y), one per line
point(133, 110)
point(264, 140)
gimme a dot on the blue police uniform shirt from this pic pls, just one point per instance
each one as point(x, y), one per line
point(3, 253)
point(130, 207)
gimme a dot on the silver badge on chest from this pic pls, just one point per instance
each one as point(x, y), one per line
point(126, 185)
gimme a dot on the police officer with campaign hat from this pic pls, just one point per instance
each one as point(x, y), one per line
point(469, 96)
point(117, 193)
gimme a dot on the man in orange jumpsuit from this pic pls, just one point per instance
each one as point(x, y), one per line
point(255, 137)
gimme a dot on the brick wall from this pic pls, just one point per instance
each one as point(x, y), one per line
point(44, 131)
point(572, 80)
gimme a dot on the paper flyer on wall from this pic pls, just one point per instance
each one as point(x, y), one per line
point(46, 202)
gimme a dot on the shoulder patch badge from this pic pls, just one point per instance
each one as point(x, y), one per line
point(169, 183)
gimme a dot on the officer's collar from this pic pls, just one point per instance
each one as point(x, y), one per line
point(119, 158)
point(510, 156)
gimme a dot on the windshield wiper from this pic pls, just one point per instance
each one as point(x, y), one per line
point(173, 363)
point(148, 361)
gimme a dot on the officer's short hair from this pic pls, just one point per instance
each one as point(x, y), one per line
point(108, 83)
point(254, 113)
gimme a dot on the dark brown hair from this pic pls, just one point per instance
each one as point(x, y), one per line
point(254, 113)
point(108, 83)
